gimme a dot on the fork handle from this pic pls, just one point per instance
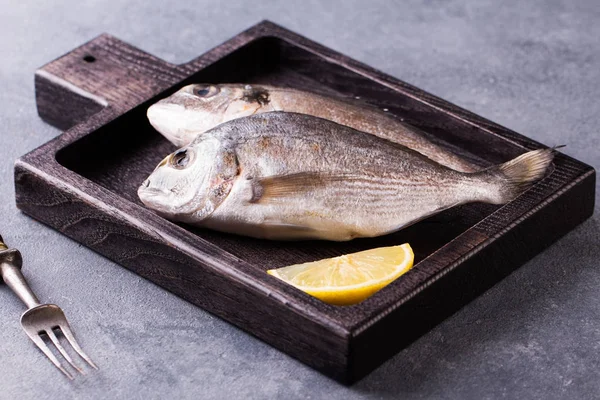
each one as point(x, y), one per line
point(10, 269)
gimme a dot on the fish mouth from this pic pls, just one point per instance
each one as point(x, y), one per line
point(146, 193)
point(154, 198)
point(163, 116)
point(151, 191)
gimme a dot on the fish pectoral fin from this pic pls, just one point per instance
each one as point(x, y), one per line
point(276, 187)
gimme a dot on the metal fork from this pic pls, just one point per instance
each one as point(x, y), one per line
point(39, 318)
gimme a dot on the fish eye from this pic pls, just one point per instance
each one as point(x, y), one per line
point(180, 159)
point(206, 91)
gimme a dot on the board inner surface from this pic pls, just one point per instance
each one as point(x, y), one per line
point(120, 155)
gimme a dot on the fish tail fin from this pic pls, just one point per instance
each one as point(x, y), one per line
point(505, 182)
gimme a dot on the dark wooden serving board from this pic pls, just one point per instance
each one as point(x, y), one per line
point(83, 183)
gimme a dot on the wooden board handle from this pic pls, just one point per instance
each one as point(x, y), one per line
point(105, 72)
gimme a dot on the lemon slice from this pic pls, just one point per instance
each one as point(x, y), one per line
point(350, 278)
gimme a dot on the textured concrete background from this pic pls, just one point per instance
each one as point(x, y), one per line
point(531, 66)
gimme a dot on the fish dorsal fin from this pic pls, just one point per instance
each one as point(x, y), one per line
point(279, 187)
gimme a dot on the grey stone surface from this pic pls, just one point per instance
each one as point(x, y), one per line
point(532, 66)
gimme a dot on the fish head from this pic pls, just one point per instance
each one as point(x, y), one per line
point(198, 108)
point(189, 184)
point(189, 111)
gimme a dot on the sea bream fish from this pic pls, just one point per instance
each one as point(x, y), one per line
point(289, 176)
point(197, 108)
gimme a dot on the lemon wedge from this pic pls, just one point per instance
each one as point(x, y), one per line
point(351, 278)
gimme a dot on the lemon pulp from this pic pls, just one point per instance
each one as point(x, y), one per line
point(351, 278)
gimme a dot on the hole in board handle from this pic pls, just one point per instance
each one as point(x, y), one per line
point(89, 58)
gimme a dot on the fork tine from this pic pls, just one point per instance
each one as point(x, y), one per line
point(62, 351)
point(66, 330)
point(42, 346)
